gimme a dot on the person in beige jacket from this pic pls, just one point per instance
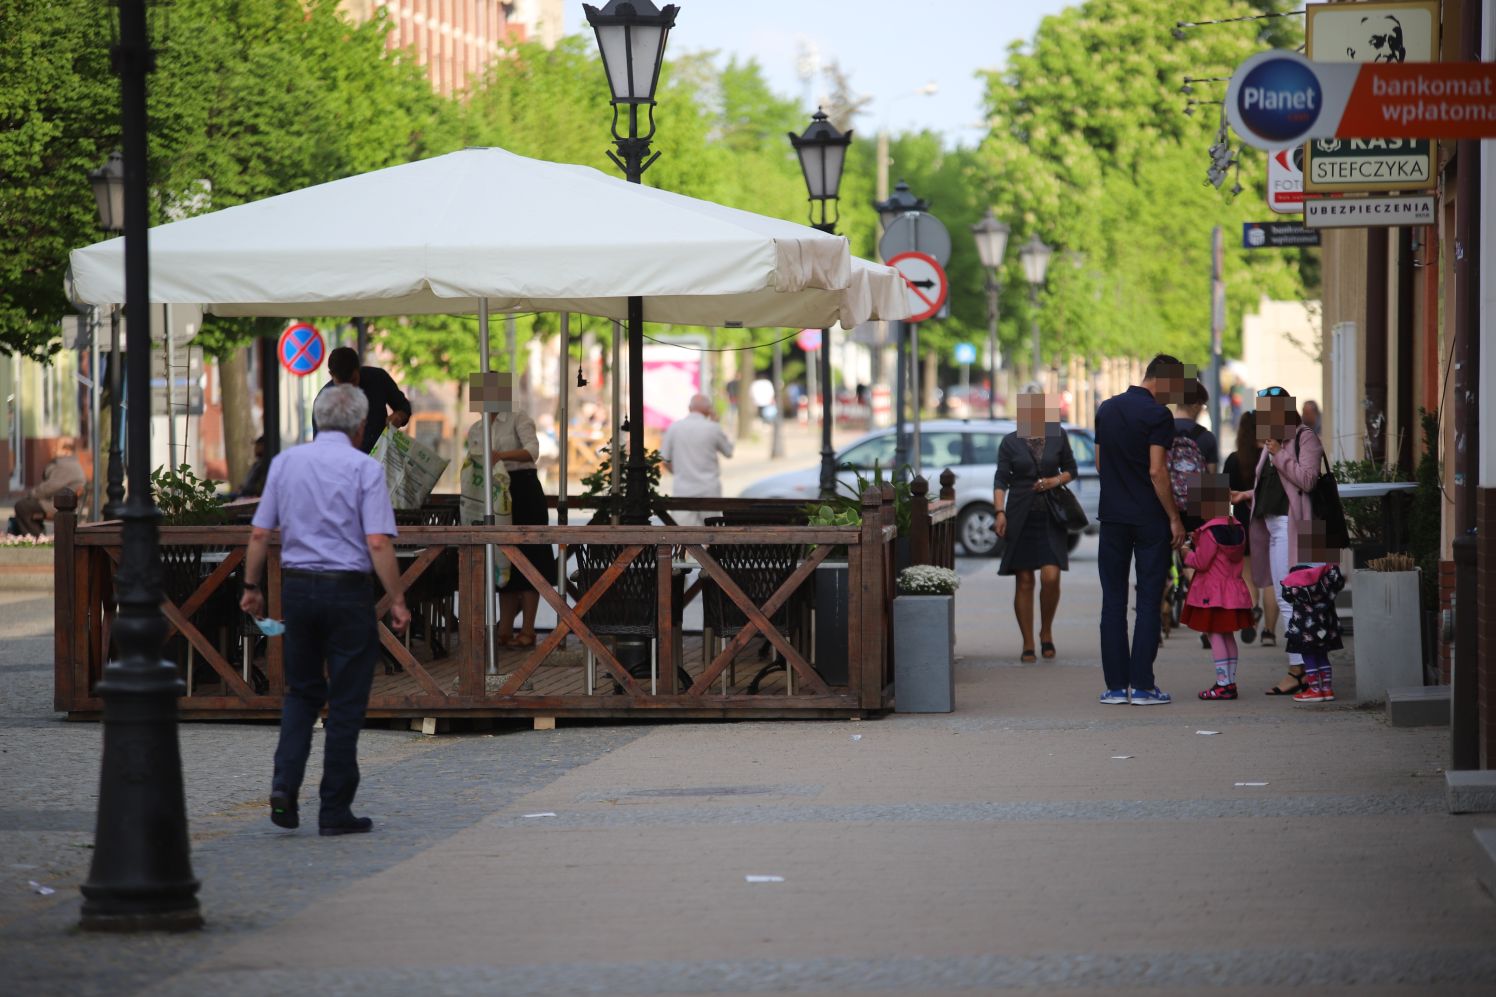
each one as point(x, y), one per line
point(63, 473)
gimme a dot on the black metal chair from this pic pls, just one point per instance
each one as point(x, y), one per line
point(629, 609)
point(759, 570)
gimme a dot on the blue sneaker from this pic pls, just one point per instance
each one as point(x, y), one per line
point(1150, 697)
point(1114, 697)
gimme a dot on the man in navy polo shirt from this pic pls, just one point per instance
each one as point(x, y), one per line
point(1138, 520)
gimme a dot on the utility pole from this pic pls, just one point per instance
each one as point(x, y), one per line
point(1217, 324)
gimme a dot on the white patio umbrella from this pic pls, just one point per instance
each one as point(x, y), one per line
point(485, 230)
point(439, 235)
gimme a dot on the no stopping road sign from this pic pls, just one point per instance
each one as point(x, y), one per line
point(925, 284)
point(301, 349)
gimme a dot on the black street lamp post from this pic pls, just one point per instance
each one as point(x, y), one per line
point(141, 878)
point(108, 183)
point(992, 245)
point(901, 202)
point(1034, 255)
point(631, 36)
point(823, 154)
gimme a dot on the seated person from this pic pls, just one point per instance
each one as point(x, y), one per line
point(63, 473)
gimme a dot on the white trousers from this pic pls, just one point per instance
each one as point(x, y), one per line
point(1277, 558)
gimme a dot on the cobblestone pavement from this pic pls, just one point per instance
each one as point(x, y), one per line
point(1032, 840)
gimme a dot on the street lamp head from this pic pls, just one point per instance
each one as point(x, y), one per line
point(1034, 255)
point(900, 202)
point(631, 35)
point(108, 183)
point(823, 153)
point(992, 240)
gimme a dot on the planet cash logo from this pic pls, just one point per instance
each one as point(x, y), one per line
point(1279, 99)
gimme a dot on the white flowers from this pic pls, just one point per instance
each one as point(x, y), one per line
point(926, 579)
point(25, 540)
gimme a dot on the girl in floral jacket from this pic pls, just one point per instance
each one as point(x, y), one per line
point(1313, 627)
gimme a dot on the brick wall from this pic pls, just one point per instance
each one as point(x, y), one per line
point(1486, 586)
point(1446, 600)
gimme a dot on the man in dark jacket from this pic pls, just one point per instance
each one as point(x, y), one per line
point(345, 367)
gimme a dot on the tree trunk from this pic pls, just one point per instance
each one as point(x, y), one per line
point(238, 420)
point(743, 361)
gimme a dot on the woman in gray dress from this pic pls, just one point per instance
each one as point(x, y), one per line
point(1031, 462)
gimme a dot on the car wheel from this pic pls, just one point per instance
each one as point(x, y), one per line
point(977, 529)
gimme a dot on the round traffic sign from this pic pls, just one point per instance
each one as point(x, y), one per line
point(916, 232)
point(966, 353)
point(301, 349)
point(809, 339)
point(925, 284)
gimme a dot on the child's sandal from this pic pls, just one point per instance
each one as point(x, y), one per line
point(1220, 692)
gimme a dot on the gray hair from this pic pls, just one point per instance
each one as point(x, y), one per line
point(341, 407)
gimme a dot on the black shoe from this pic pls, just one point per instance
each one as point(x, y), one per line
point(283, 812)
point(1204, 641)
point(354, 825)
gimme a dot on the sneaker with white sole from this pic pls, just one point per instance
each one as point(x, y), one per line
point(1114, 697)
point(1150, 697)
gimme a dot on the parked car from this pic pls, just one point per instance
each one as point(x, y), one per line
point(968, 448)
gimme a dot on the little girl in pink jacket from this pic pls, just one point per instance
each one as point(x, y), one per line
point(1219, 603)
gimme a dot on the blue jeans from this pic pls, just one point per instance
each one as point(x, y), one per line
point(1121, 543)
point(329, 622)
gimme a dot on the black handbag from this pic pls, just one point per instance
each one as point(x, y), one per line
point(1066, 510)
point(1324, 502)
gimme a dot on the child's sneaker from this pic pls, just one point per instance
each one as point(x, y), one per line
point(1114, 697)
point(1315, 694)
point(1150, 697)
point(1220, 692)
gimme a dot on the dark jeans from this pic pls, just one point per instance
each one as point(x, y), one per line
point(331, 622)
point(1120, 544)
point(30, 515)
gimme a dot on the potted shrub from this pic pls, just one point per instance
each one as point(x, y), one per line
point(924, 640)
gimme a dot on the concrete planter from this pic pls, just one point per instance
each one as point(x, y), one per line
point(27, 567)
point(1389, 643)
point(924, 641)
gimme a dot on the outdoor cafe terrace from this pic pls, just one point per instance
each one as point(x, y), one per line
point(754, 615)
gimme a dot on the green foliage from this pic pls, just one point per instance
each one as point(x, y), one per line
point(185, 499)
point(1363, 517)
point(1425, 523)
point(845, 507)
point(599, 483)
point(1090, 148)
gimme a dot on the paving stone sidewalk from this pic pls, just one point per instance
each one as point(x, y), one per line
point(1032, 840)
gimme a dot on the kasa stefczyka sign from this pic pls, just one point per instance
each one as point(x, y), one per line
point(1279, 99)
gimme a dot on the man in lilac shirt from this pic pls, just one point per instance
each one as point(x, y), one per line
point(332, 507)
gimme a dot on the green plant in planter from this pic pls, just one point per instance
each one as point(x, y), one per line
point(846, 509)
point(1424, 524)
point(599, 483)
point(185, 499)
point(1363, 517)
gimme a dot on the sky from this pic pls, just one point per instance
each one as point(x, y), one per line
point(890, 48)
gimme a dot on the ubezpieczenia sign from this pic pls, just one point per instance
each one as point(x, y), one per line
point(1279, 98)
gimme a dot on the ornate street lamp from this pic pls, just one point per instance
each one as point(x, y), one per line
point(900, 202)
point(991, 238)
point(108, 183)
point(822, 151)
point(1034, 257)
point(141, 878)
point(631, 36)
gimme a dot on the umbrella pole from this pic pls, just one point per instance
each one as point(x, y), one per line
point(914, 379)
point(487, 588)
point(564, 435)
point(638, 473)
point(617, 420)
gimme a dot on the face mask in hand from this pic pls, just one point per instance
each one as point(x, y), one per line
point(269, 627)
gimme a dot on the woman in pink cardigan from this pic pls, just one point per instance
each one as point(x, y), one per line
point(1286, 474)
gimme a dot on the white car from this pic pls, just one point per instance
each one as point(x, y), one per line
point(968, 448)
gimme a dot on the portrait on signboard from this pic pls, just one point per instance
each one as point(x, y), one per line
point(1371, 32)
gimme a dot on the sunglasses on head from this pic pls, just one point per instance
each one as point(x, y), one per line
point(1274, 392)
